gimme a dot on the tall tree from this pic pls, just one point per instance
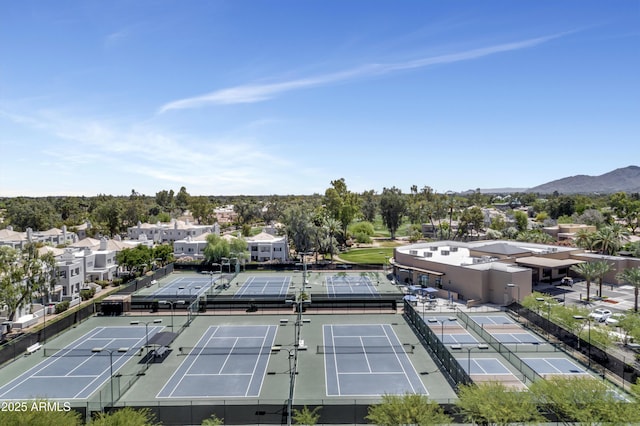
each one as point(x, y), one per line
point(369, 205)
point(609, 239)
point(631, 276)
point(341, 204)
point(182, 199)
point(247, 211)
point(589, 271)
point(585, 239)
point(331, 228)
point(24, 275)
point(165, 199)
point(602, 268)
point(216, 249)
point(108, 216)
point(299, 227)
point(201, 209)
point(392, 208)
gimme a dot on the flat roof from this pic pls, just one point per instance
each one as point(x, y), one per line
point(546, 262)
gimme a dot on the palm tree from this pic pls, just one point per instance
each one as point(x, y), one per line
point(589, 271)
point(609, 239)
point(585, 239)
point(331, 227)
point(631, 276)
point(602, 267)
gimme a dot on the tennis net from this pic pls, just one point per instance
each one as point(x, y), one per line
point(394, 349)
point(223, 350)
point(86, 353)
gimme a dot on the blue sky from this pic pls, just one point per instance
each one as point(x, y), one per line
point(281, 97)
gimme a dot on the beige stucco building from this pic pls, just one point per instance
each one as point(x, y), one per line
point(493, 271)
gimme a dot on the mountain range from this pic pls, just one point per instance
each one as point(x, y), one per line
point(626, 179)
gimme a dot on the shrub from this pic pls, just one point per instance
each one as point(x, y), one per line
point(62, 306)
point(362, 238)
point(102, 283)
point(87, 293)
point(116, 282)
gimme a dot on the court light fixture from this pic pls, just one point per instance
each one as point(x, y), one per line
point(111, 352)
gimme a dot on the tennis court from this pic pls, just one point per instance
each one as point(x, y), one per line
point(349, 286)
point(506, 330)
point(82, 367)
point(228, 361)
point(450, 332)
point(489, 369)
point(492, 319)
point(257, 286)
point(554, 366)
point(184, 287)
point(367, 360)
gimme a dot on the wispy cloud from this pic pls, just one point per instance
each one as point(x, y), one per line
point(115, 38)
point(252, 93)
point(148, 154)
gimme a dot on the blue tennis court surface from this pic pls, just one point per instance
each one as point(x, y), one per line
point(228, 361)
point(552, 366)
point(488, 366)
point(350, 286)
point(366, 360)
point(506, 330)
point(271, 286)
point(76, 371)
point(450, 332)
point(492, 319)
point(184, 287)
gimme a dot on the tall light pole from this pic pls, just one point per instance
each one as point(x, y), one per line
point(450, 319)
point(146, 330)
point(582, 318)
point(480, 346)
point(111, 351)
point(292, 379)
point(173, 306)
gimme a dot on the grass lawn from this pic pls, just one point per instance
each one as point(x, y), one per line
point(373, 255)
point(381, 231)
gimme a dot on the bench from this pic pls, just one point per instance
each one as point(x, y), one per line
point(276, 348)
point(31, 349)
point(284, 321)
point(161, 352)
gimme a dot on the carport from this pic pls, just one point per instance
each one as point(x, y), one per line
point(546, 269)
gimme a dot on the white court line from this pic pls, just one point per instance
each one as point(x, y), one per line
point(366, 358)
point(255, 365)
point(211, 331)
point(406, 376)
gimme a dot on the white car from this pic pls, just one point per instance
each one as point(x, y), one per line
point(600, 314)
point(614, 319)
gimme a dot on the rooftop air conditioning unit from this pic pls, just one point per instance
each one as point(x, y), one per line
point(413, 252)
point(453, 249)
point(428, 254)
point(444, 252)
point(433, 248)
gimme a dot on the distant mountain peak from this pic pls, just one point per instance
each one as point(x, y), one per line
point(625, 179)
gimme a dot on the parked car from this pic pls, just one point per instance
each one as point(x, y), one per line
point(600, 314)
point(567, 281)
point(614, 319)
